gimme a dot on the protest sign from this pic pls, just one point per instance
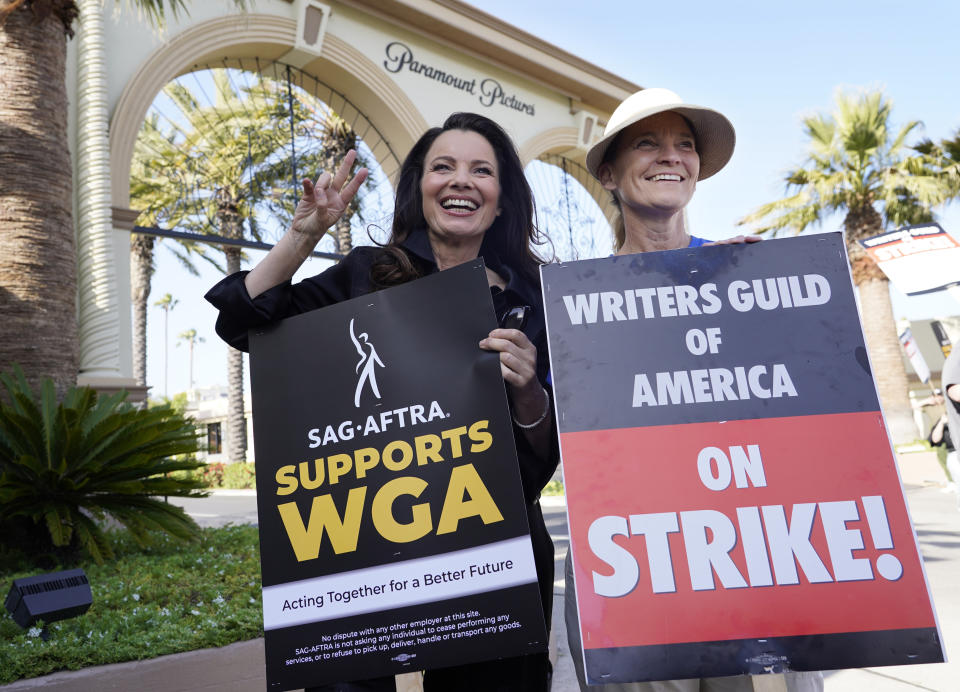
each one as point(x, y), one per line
point(943, 339)
point(916, 259)
point(393, 528)
point(733, 500)
point(917, 361)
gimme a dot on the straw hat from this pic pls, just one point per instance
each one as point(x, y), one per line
point(714, 133)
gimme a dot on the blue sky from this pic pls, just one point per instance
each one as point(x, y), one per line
point(763, 64)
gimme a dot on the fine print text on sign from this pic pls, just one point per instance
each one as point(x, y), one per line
point(393, 527)
point(733, 499)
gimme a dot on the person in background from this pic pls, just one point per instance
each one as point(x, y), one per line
point(461, 194)
point(950, 384)
point(654, 150)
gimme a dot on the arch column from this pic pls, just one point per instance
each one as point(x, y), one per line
point(97, 304)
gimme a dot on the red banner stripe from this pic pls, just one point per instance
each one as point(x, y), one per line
point(628, 475)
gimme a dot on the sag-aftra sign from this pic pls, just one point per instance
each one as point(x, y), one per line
point(393, 528)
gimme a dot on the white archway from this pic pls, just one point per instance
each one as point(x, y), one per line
point(117, 65)
point(340, 66)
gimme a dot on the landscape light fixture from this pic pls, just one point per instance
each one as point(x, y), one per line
point(48, 598)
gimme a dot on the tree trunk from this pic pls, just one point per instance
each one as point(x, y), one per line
point(141, 273)
point(190, 344)
point(231, 226)
point(883, 344)
point(343, 235)
point(236, 418)
point(879, 326)
point(38, 278)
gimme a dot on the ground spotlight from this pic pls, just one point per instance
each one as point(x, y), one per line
point(48, 598)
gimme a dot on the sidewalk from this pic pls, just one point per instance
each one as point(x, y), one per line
point(936, 520)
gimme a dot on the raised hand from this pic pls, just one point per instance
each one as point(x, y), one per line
point(324, 201)
point(320, 207)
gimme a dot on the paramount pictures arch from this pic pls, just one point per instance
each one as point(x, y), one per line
point(403, 64)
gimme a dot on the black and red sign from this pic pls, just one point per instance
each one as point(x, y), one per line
point(393, 529)
point(733, 499)
point(917, 259)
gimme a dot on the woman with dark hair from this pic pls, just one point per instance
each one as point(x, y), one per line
point(461, 194)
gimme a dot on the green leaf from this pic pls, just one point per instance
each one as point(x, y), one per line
point(67, 465)
point(853, 162)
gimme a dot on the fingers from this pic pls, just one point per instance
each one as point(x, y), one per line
point(514, 335)
point(518, 357)
point(310, 190)
point(351, 188)
point(737, 240)
point(508, 340)
point(337, 180)
point(340, 177)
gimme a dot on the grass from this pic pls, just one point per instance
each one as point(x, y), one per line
point(553, 488)
point(168, 598)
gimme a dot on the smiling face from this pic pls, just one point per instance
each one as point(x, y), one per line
point(655, 167)
point(460, 188)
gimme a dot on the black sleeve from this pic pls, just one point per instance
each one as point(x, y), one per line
point(239, 313)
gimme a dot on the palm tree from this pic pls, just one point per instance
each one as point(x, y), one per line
point(151, 192)
point(946, 155)
point(166, 303)
point(204, 175)
point(141, 276)
point(857, 165)
point(189, 336)
point(219, 168)
point(215, 170)
point(38, 285)
point(38, 276)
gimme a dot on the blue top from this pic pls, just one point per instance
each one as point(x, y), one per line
point(697, 242)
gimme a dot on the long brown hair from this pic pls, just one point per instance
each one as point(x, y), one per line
point(513, 232)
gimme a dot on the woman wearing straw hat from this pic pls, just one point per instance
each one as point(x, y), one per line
point(655, 148)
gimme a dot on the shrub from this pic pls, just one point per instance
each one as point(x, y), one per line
point(239, 475)
point(212, 474)
point(553, 488)
point(66, 466)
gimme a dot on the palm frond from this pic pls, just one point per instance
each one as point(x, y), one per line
point(853, 162)
point(67, 465)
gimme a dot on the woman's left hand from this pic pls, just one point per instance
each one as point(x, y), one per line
point(518, 364)
point(736, 240)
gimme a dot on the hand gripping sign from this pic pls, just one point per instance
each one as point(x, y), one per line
point(733, 499)
point(393, 529)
